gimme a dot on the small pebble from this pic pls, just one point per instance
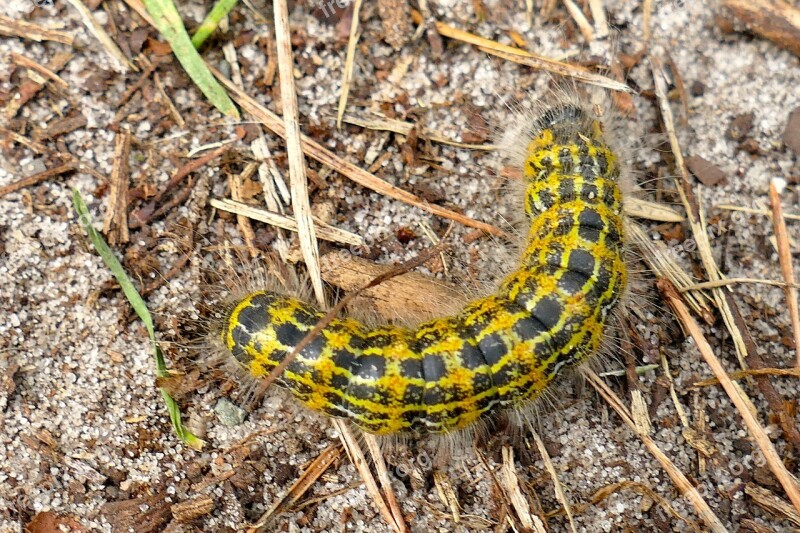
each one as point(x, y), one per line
point(228, 413)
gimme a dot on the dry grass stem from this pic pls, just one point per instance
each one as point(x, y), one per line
point(404, 128)
point(694, 212)
point(532, 60)
point(297, 165)
point(647, 210)
point(347, 169)
point(739, 374)
point(752, 211)
point(301, 485)
point(678, 478)
point(598, 10)
point(735, 393)
point(121, 61)
point(44, 71)
point(31, 87)
point(386, 483)
point(37, 178)
point(662, 262)
point(236, 183)
point(359, 461)
point(325, 231)
point(746, 349)
point(580, 19)
point(349, 63)
point(140, 10)
point(733, 281)
point(510, 481)
point(551, 470)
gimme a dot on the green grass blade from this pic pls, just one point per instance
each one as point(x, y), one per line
point(212, 20)
point(110, 260)
point(170, 25)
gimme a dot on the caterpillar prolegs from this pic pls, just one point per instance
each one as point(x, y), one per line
point(499, 351)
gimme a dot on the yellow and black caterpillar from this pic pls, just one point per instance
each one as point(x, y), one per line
point(499, 351)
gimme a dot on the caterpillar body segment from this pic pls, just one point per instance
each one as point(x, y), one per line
point(499, 351)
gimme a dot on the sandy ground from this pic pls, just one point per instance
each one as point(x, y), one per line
point(85, 440)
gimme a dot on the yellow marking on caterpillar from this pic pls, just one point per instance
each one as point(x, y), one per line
point(499, 351)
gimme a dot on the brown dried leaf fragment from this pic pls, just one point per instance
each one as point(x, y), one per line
point(707, 172)
point(791, 134)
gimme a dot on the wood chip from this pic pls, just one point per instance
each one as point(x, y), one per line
point(771, 503)
point(191, 509)
point(776, 20)
point(62, 126)
point(115, 225)
point(27, 30)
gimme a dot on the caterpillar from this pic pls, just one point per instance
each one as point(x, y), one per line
point(500, 351)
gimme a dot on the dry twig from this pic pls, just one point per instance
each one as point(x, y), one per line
point(580, 19)
point(36, 178)
point(44, 71)
point(746, 350)
point(351, 446)
point(31, 87)
point(785, 258)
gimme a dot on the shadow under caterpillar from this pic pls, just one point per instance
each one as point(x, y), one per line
point(499, 351)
